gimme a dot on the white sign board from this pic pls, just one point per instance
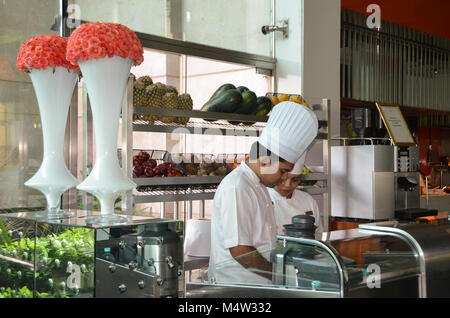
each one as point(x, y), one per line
point(396, 125)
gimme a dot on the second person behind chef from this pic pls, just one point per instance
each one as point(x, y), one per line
point(289, 201)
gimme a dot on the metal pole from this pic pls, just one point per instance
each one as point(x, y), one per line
point(327, 165)
point(63, 14)
point(189, 210)
point(162, 211)
point(202, 209)
point(69, 199)
point(175, 210)
point(127, 144)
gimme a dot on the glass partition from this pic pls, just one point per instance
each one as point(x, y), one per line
point(380, 257)
point(21, 146)
point(349, 263)
point(294, 265)
point(231, 24)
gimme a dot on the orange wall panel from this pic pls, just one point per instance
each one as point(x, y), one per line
point(430, 16)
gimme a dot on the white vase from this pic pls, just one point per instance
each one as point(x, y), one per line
point(106, 80)
point(54, 88)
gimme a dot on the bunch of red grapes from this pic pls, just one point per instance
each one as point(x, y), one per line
point(145, 167)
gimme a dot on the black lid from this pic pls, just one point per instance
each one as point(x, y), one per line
point(300, 226)
point(303, 218)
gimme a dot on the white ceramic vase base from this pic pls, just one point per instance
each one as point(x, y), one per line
point(54, 88)
point(106, 219)
point(106, 80)
point(54, 215)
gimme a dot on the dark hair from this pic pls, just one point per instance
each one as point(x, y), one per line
point(257, 151)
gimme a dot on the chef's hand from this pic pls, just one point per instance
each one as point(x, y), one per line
point(254, 260)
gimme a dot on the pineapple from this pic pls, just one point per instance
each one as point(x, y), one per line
point(171, 89)
point(147, 80)
point(184, 102)
point(139, 97)
point(170, 100)
point(154, 99)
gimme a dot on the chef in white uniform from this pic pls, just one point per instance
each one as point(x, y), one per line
point(243, 218)
point(288, 201)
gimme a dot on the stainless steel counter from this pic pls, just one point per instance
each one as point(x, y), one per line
point(393, 260)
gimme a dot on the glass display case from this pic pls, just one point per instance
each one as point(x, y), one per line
point(386, 259)
point(68, 258)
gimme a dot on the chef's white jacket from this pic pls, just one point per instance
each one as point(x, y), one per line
point(298, 204)
point(242, 214)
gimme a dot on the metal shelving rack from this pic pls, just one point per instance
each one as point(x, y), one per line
point(203, 187)
point(177, 188)
point(322, 184)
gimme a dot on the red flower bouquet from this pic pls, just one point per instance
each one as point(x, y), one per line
point(99, 39)
point(43, 51)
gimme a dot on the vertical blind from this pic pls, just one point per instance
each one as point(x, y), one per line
point(393, 64)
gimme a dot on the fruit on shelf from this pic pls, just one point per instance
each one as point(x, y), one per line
point(149, 94)
point(184, 103)
point(283, 98)
point(222, 89)
point(204, 169)
point(144, 155)
point(170, 89)
point(170, 101)
point(242, 89)
point(160, 170)
point(190, 168)
point(278, 98)
point(247, 106)
point(138, 170)
point(146, 167)
point(150, 163)
point(157, 172)
point(263, 106)
point(212, 169)
point(226, 102)
point(306, 171)
point(147, 80)
point(155, 93)
point(299, 100)
point(274, 99)
point(149, 173)
point(139, 96)
point(296, 99)
point(173, 173)
point(241, 100)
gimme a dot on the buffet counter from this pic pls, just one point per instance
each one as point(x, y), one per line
point(392, 259)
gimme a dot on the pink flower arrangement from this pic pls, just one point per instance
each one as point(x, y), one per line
point(43, 51)
point(99, 39)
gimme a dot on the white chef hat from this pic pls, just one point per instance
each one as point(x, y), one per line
point(298, 167)
point(289, 131)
